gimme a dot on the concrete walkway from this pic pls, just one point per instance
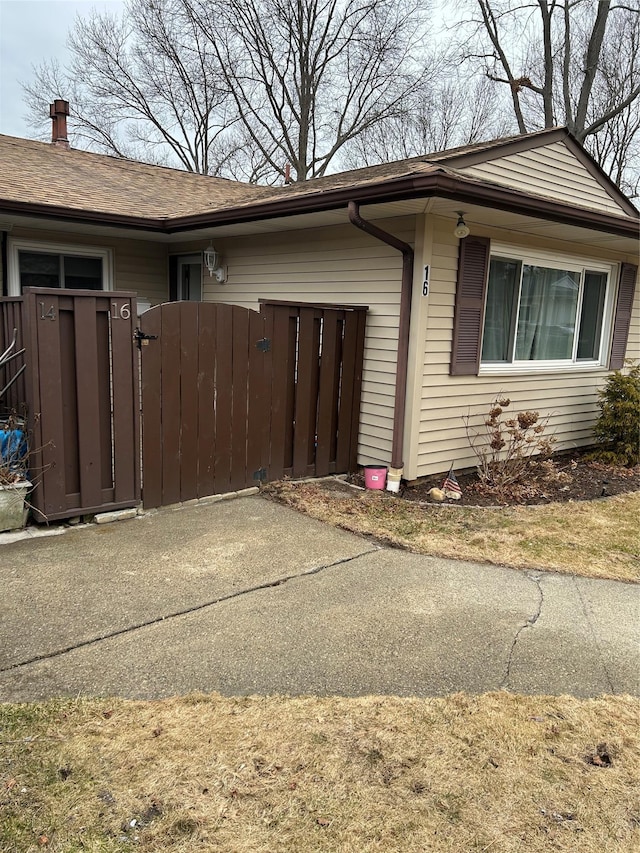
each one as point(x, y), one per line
point(247, 596)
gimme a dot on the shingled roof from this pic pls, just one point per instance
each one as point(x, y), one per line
point(42, 173)
point(44, 179)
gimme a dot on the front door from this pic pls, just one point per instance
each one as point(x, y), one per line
point(189, 278)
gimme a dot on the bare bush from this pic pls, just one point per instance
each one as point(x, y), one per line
point(505, 446)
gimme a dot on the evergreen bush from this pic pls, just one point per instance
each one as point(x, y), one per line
point(618, 426)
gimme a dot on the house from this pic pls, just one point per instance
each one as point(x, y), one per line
point(507, 267)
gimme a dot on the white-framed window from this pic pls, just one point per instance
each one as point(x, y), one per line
point(545, 311)
point(37, 264)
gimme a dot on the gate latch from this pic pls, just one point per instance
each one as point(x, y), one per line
point(141, 337)
point(264, 344)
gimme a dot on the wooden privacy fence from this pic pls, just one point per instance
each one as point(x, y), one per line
point(12, 368)
point(80, 390)
point(232, 397)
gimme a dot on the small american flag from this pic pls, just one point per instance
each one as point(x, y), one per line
point(450, 483)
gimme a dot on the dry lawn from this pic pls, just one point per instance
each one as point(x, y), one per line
point(596, 539)
point(249, 775)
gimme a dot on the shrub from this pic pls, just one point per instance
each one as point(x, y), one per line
point(618, 425)
point(506, 446)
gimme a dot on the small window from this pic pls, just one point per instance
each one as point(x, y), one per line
point(536, 312)
point(50, 265)
point(82, 273)
point(40, 269)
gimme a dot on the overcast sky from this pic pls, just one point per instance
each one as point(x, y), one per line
point(30, 31)
point(34, 30)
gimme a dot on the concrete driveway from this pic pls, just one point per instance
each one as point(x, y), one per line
point(246, 596)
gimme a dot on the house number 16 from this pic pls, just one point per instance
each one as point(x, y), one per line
point(120, 312)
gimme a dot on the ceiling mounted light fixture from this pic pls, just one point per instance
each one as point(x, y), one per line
point(462, 229)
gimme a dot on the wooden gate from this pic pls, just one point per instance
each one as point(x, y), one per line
point(80, 390)
point(232, 397)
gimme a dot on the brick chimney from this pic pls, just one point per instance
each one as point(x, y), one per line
point(59, 110)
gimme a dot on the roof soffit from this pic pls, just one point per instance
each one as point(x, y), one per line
point(481, 218)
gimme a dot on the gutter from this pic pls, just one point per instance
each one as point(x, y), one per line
point(439, 184)
point(402, 361)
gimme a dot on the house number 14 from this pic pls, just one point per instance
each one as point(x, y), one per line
point(47, 315)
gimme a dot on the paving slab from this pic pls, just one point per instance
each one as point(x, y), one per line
point(62, 591)
point(585, 640)
point(353, 619)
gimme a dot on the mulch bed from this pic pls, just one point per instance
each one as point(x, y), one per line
point(585, 480)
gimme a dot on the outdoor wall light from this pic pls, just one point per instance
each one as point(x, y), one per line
point(462, 229)
point(213, 263)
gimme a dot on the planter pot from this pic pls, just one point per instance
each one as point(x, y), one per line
point(13, 509)
point(375, 476)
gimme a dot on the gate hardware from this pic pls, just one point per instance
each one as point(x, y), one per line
point(141, 337)
point(264, 344)
point(260, 474)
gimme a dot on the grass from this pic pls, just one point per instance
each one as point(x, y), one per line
point(459, 774)
point(596, 539)
point(249, 775)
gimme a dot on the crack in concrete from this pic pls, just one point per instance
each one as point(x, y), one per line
point(592, 630)
point(531, 621)
point(187, 611)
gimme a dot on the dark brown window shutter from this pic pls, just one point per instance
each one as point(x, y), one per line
point(473, 265)
point(622, 321)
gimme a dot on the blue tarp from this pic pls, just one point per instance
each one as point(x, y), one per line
point(13, 448)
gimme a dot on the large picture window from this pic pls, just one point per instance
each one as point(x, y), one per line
point(526, 310)
point(538, 311)
point(49, 265)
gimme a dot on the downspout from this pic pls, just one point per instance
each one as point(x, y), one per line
point(4, 290)
point(397, 463)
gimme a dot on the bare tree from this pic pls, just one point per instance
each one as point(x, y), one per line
point(562, 64)
point(145, 85)
point(445, 112)
point(309, 76)
point(235, 87)
point(616, 144)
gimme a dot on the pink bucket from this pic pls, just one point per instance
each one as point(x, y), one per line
point(375, 476)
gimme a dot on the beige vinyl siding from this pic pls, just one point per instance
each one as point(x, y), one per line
point(569, 397)
point(552, 171)
point(339, 265)
point(137, 265)
point(142, 267)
